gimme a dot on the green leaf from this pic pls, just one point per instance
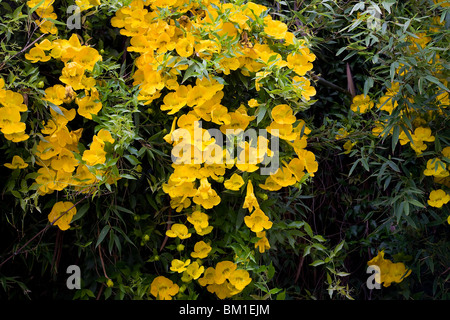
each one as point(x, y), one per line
point(102, 235)
point(81, 212)
point(395, 136)
point(416, 203)
point(436, 81)
point(317, 263)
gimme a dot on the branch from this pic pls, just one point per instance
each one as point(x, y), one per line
point(18, 251)
point(23, 50)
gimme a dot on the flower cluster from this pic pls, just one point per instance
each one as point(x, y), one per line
point(57, 152)
point(361, 103)
point(44, 9)
point(225, 280)
point(417, 124)
point(186, 50)
point(389, 271)
point(12, 105)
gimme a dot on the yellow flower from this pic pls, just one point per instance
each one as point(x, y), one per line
point(55, 94)
point(258, 221)
point(250, 201)
point(45, 180)
point(17, 136)
point(221, 290)
point(163, 288)
point(388, 271)
point(174, 101)
point(89, 105)
point(179, 266)
point(263, 243)
point(96, 154)
point(297, 167)
point(223, 271)
point(348, 145)
point(87, 4)
point(341, 133)
point(300, 61)
point(178, 230)
point(63, 211)
point(302, 86)
point(361, 104)
point(397, 272)
point(437, 168)
point(275, 28)
point(44, 45)
point(206, 196)
point(438, 198)
point(185, 47)
point(253, 103)
point(284, 177)
point(47, 26)
point(12, 99)
point(239, 279)
point(37, 54)
point(201, 250)
point(419, 136)
point(109, 283)
point(64, 161)
point(239, 120)
point(105, 136)
point(386, 103)
point(198, 219)
point(283, 114)
point(10, 120)
point(72, 75)
point(234, 183)
point(83, 177)
point(87, 57)
point(208, 277)
point(309, 159)
point(284, 131)
point(445, 4)
point(194, 270)
point(446, 152)
point(16, 163)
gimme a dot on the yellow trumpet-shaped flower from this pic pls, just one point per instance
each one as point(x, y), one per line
point(178, 230)
point(179, 266)
point(283, 114)
point(16, 163)
point(201, 250)
point(275, 28)
point(250, 201)
point(62, 213)
point(239, 279)
point(258, 221)
point(388, 271)
point(163, 288)
point(361, 103)
point(438, 198)
point(36, 54)
point(234, 183)
point(223, 271)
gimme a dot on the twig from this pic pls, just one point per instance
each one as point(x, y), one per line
point(329, 84)
point(168, 226)
point(23, 50)
point(18, 251)
point(103, 263)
